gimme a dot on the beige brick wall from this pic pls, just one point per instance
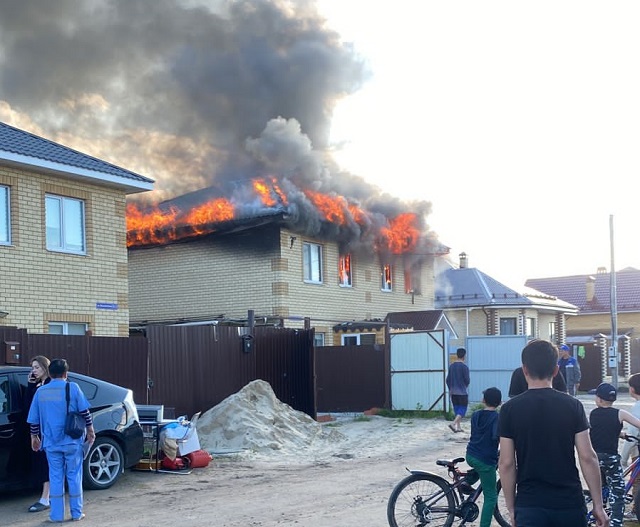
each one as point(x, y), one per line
point(211, 276)
point(40, 285)
point(478, 321)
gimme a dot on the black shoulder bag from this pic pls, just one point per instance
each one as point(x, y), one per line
point(74, 425)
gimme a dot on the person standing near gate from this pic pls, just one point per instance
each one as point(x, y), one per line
point(47, 416)
point(458, 383)
point(570, 369)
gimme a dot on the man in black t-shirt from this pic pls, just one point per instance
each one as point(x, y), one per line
point(518, 383)
point(539, 433)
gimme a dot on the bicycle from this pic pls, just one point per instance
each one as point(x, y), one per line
point(425, 498)
point(632, 472)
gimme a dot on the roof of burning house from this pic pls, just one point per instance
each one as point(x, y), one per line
point(469, 287)
point(19, 147)
point(573, 289)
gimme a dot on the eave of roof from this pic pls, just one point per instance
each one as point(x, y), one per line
point(22, 149)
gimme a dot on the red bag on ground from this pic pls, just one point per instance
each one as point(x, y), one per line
point(172, 464)
point(199, 458)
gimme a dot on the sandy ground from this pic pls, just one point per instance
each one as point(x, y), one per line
point(336, 474)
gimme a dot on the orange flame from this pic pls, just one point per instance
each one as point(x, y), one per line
point(402, 234)
point(157, 226)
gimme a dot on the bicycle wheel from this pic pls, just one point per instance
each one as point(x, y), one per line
point(421, 499)
point(500, 513)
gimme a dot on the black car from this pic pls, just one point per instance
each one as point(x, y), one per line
point(119, 438)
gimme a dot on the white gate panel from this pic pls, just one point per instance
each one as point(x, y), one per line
point(491, 360)
point(418, 365)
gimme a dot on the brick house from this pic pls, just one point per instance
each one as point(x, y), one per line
point(63, 256)
point(477, 304)
point(592, 327)
point(266, 265)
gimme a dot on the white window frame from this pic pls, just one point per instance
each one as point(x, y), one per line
point(66, 326)
point(61, 221)
point(312, 262)
point(345, 271)
point(386, 278)
point(5, 215)
point(346, 337)
point(530, 327)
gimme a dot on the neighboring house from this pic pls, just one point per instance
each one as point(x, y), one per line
point(592, 328)
point(265, 265)
point(63, 255)
point(477, 304)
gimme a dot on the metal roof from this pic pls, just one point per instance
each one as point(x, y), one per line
point(469, 287)
point(21, 148)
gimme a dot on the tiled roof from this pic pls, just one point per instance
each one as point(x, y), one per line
point(469, 287)
point(573, 289)
point(21, 146)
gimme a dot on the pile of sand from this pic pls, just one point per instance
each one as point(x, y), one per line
point(254, 420)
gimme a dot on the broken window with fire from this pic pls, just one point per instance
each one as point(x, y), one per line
point(386, 278)
point(344, 271)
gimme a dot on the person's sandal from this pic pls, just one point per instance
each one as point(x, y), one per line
point(38, 507)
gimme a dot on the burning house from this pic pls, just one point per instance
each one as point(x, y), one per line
point(283, 252)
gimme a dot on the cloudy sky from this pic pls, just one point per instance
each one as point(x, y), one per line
point(512, 126)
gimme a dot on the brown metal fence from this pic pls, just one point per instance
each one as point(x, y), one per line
point(351, 378)
point(187, 368)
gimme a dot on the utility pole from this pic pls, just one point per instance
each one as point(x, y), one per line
point(614, 360)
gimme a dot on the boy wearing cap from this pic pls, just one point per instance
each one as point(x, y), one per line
point(606, 426)
point(570, 369)
point(482, 450)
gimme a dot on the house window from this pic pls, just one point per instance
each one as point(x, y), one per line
point(318, 340)
point(552, 331)
point(312, 262)
point(357, 339)
point(65, 224)
point(508, 326)
point(67, 328)
point(412, 283)
point(386, 278)
point(530, 327)
point(5, 216)
point(344, 271)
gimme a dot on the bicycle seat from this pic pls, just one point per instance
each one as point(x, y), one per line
point(449, 462)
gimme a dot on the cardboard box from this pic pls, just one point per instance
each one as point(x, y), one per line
point(190, 445)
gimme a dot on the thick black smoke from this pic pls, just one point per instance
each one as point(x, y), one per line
point(192, 93)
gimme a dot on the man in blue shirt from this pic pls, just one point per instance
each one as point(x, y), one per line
point(570, 369)
point(458, 383)
point(46, 418)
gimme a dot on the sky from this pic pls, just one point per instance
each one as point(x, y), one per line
point(512, 127)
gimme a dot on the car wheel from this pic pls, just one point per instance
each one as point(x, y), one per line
point(103, 465)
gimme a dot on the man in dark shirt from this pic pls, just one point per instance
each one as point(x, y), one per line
point(458, 383)
point(518, 382)
point(540, 431)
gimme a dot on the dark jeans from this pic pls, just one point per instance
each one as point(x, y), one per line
point(537, 517)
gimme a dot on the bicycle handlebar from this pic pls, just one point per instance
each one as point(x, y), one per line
point(631, 439)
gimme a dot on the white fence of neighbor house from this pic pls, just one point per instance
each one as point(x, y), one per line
point(419, 362)
point(491, 360)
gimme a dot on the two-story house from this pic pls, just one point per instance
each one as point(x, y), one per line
point(63, 254)
point(269, 262)
point(478, 304)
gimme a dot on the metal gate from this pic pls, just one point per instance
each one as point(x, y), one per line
point(491, 360)
point(418, 369)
